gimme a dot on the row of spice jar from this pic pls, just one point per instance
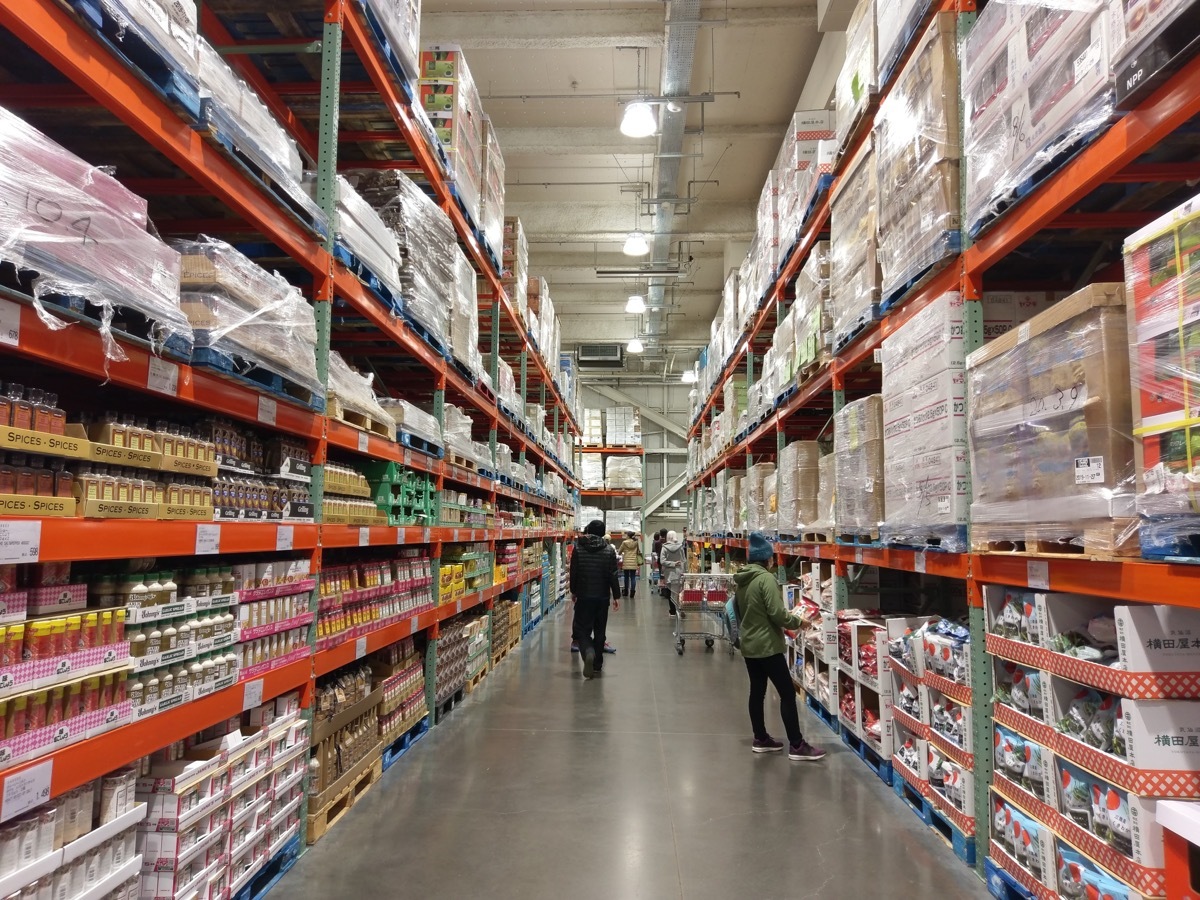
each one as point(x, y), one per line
point(59, 636)
point(409, 571)
point(166, 682)
point(29, 712)
point(172, 634)
point(335, 621)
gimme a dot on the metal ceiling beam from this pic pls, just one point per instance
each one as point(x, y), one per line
point(621, 397)
point(585, 140)
point(585, 223)
point(583, 28)
point(666, 494)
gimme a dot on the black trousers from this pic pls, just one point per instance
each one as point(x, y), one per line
point(775, 670)
point(630, 581)
point(589, 625)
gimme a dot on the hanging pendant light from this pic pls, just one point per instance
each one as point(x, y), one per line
point(636, 244)
point(688, 377)
point(635, 346)
point(638, 120)
point(636, 305)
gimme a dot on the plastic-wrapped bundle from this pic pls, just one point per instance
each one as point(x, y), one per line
point(366, 234)
point(491, 203)
point(506, 388)
point(451, 100)
point(239, 309)
point(826, 495)
point(588, 514)
point(401, 22)
point(858, 449)
point(856, 83)
point(622, 426)
point(783, 347)
point(355, 392)
point(811, 311)
point(754, 497)
point(623, 473)
point(917, 151)
point(896, 26)
point(771, 503)
point(426, 242)
point(799, 482)
point(1035, 83)
point(464, 312)
point(83, 234)
point(734, 510)
point(414, 420)
point(169, 26)
point(853, 265)
point(504, 457)
point(234, 111)
point(926, 499)
point(767, 220)
point(591, 471)
point(795, 166)
point(457, 431)
point(1050, 429)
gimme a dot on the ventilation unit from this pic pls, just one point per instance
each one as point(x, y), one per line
point(601, 356)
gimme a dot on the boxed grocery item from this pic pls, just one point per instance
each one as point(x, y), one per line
point(853, 264)
point(1036, 81)
point(450, 98)
point(917, 153)
point(1051, 456)
point(1078, 875)
point(799, 480)
point(591, 471)
point(491, 203)
point(858, 449)
point(928, 498)
point(810, 311)
point(1123, 821)
point(856, 83)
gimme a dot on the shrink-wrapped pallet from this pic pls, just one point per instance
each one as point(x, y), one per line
point(623, 473)
point(856, 82)
point(591, 471)
point(798, 486)
point(858, 448)
point(811, 312)
point(853, 262)
point(449, 96)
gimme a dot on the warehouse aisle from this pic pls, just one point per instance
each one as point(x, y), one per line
point(640, 784)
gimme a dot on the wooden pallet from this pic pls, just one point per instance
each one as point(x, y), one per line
point(336, 409)
point(460, 461)
point(346, 792)
point(477, 679)
point(1107, 540)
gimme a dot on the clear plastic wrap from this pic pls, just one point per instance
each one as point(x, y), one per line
point(234, 112)
point(84, 235)
point(449, 97)
point(795, 168)
point(811, 312)
point(401, 22)
point(457, 431)
point(767, 221)
point(853, 261)
point(464, 312)
point(917, 153)
point(1035, 83)
point(735, 513)
point(623, 473)
point(355, 392)
point(414, 420)
point(504, 457)
point(1163, 304)
point(799, 485)
point(754, 496)
point(771, 503)
point(491, 203)
point(591, 471)
point(783, 348)
point(896, 23)
point(826, 496)
point(856, 82)
point(588, 514)
point(719, 524)
point(622, 426)
point(858, 449)
point(239, 309)
point(1050, 430)
point(366, 234)
point(169, 27)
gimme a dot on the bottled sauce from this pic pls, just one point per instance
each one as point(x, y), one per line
point(20, 409)
point(170, 588)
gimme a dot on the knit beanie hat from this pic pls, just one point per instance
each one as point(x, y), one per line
point(760, 549)
point(596, 527)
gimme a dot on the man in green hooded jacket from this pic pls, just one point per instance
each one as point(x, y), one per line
point(761, 621)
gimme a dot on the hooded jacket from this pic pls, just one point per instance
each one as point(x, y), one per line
point(761, 614)
point(593, 571)
point(672, 559)
point(629, 553)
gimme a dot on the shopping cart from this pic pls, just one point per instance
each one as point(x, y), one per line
point(700, 610)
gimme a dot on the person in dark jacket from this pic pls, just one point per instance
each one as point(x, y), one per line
point(593, 580)
point(660, 538)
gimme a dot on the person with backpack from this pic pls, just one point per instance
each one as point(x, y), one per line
point(631, 561)
point(593, 578)
point(760, 619)
point(672, 559)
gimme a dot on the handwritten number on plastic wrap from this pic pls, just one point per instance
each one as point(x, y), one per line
point(51, 212)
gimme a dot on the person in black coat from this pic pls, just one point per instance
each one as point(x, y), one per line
point(593, 580)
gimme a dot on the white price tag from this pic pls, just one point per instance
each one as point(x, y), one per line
point(363, 442)
point(253, 694)
point(457, 607)
point(162, 376)
point(266, 410)
point(858, 557)
point(1037, 574)
point(1089, 470)
point(25, 790)
point(1086, 61)
point(285, 537)
point(10, 323)
point(20, 542)
point(364, 536)
point(878, 356)
point(919, 562)
point(360, 648)
point(208, 539)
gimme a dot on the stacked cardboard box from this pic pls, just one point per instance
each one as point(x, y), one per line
point(807, 152)
point(451, 100)
point(853, 264)
point(917, 150)
point(491, 200)
point(896, 24)
point(799, 482)
point(622, 426)
point(464, 315)
point(515, 264)
point(623, 473)
point(1050, 430)
point(1035, 82)
point(811, 312)
point(592, 425)
point(856, 83)
point(858, 449)
point(754, 495)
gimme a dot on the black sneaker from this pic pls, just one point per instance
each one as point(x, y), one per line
point(597, 671)
point(767, 745)
point(589, 662)
point(805, 752)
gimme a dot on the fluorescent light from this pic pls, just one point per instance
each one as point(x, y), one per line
point(635, 244)
point(688, 377)
point(636, 304)
point(635, 346)
point(638, 121)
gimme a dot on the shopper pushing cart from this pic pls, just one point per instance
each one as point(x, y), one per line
point(671, 561)
point(700, 610)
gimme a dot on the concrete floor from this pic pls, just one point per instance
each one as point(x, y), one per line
point(640, 784)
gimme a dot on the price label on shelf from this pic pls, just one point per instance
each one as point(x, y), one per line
point(266, 410)
point(360, 648)
point(20, 542)
point(877, 357)
point(364, 441)
point(285, 537)
point(252, 695)
point(919, 562)
point(26, 789)
point(364, 536)
point(457, 607)
point(10, 323)
point(162, 376)
point(858, 557)
point(208, 539)
point(1037, 574)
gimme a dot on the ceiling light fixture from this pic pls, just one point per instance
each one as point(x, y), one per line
point(636, 244)
point(635, 346)
point(638, 120)
point(673, 106)
point(688, 377)
point(636, 304)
